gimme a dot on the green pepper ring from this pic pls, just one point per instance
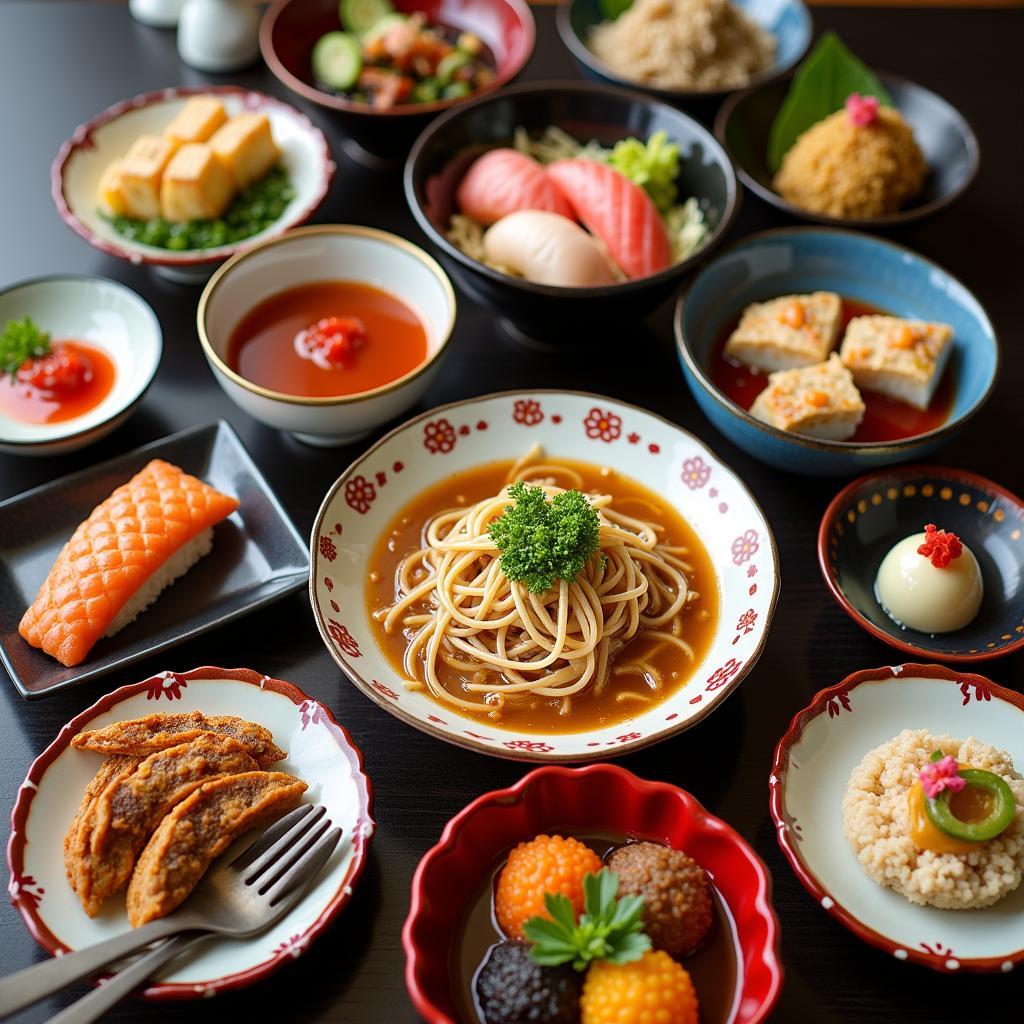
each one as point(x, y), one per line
point(997, 821)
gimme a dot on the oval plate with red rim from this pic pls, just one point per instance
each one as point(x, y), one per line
point(76, 170)
point(812, 767)
point(319, 751)
point(589, 428)
point(602, 798)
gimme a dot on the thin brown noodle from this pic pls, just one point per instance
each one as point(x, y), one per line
point(510, 646)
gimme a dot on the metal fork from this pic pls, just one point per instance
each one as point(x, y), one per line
point(238, 898)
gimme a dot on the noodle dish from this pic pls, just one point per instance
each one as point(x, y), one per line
point(546, 576)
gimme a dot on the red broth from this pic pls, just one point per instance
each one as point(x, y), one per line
point(262, 346)
point(29, 404)
point(884, 418)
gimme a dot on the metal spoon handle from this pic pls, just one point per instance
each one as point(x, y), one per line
point(108, 994)
point(43, 979)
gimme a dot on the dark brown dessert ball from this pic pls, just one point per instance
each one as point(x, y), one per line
point(514, 989)
point(675, 890)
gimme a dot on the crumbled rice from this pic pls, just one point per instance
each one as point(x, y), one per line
point(685, 44)
point(876, 824)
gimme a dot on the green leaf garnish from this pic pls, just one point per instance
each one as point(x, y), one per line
point(608, 929)
point(22, 340)
point(542, 541)
point(819, 88)
point(611, 9)
point(936, 756)
point(653, 165)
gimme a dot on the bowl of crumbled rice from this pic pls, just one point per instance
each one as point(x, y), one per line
point(839, 797)
point(686, 49)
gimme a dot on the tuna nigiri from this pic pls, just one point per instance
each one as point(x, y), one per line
point(503, 181)
point(619, 212)
point(149, 532)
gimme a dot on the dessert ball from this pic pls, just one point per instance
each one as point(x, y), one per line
point(512, 988)
point(675, 890)
point(930, 582)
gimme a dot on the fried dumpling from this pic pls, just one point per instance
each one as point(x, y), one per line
point(113, 768)
point(140, 737)
point(133, 804)
point(198, 831)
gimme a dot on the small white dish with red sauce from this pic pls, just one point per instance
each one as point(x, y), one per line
point(104, 348)
point(328, 332)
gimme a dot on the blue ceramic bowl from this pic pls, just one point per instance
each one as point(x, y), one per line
point(856, 266)
point(788, 20)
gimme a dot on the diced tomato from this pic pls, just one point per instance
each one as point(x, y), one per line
point(333, 339)
point(62, 370)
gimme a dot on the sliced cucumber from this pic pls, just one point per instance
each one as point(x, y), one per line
point(389, 21)
point(447, 66)
point(426, 91)
point(360, 16)
point(456, 90)
point(337, 60)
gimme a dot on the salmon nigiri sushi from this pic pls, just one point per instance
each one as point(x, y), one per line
point(503, 181)
point(148, 533)
point(618, 211)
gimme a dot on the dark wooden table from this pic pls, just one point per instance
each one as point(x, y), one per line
point(62, 62)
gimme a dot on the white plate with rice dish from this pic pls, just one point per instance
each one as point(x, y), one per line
point(839, 789)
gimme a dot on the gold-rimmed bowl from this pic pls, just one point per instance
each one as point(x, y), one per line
point(340, 252)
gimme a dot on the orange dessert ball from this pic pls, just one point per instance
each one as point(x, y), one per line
point(545, 864)
point(651, 990)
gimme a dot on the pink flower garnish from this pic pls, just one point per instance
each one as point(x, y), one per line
point(861, 109)
point(940, 775)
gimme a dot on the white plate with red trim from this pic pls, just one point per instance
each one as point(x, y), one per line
point(575, 425)
point(812, 767)
point(319, 751)
point(76, 170)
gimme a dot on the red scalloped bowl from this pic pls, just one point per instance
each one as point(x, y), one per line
point(600, 797)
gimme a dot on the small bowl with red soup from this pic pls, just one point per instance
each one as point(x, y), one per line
point(685, 919)
point(934, 345)
point(77, 355)
point(327, 332)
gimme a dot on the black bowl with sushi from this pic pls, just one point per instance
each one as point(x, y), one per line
point(592, 205)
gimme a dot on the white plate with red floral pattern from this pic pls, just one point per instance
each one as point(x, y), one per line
point(812, 767)
point(587, 428)
point(319, 751)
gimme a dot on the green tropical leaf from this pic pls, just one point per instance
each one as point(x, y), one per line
point(820, 87)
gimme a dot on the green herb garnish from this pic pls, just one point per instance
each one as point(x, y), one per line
point(608, 929)
point(22, 340)
point(653, 166)
point(611, 9)
point(541, 541)
point(254, 209)
point(819, 88)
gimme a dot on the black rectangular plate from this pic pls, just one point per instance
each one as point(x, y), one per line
point(258, 556)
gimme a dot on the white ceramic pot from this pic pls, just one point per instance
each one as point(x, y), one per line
point(329, 252)
point(219, 35)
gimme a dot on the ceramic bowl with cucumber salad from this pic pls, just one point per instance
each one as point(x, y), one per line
point(387, 66)
point(183, 178)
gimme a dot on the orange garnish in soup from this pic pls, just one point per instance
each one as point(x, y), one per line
point(328, 339)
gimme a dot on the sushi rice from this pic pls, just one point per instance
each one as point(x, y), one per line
point(685, 222)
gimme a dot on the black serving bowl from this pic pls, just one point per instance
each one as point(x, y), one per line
point(290, 28)
point(554, 315)
point(873, 513)
point(949, 146)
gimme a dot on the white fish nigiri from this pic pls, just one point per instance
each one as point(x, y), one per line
point(547, 248)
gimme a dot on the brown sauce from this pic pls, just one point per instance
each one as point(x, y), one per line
point(885, 419)
point(404, 534)
point(713, 967)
